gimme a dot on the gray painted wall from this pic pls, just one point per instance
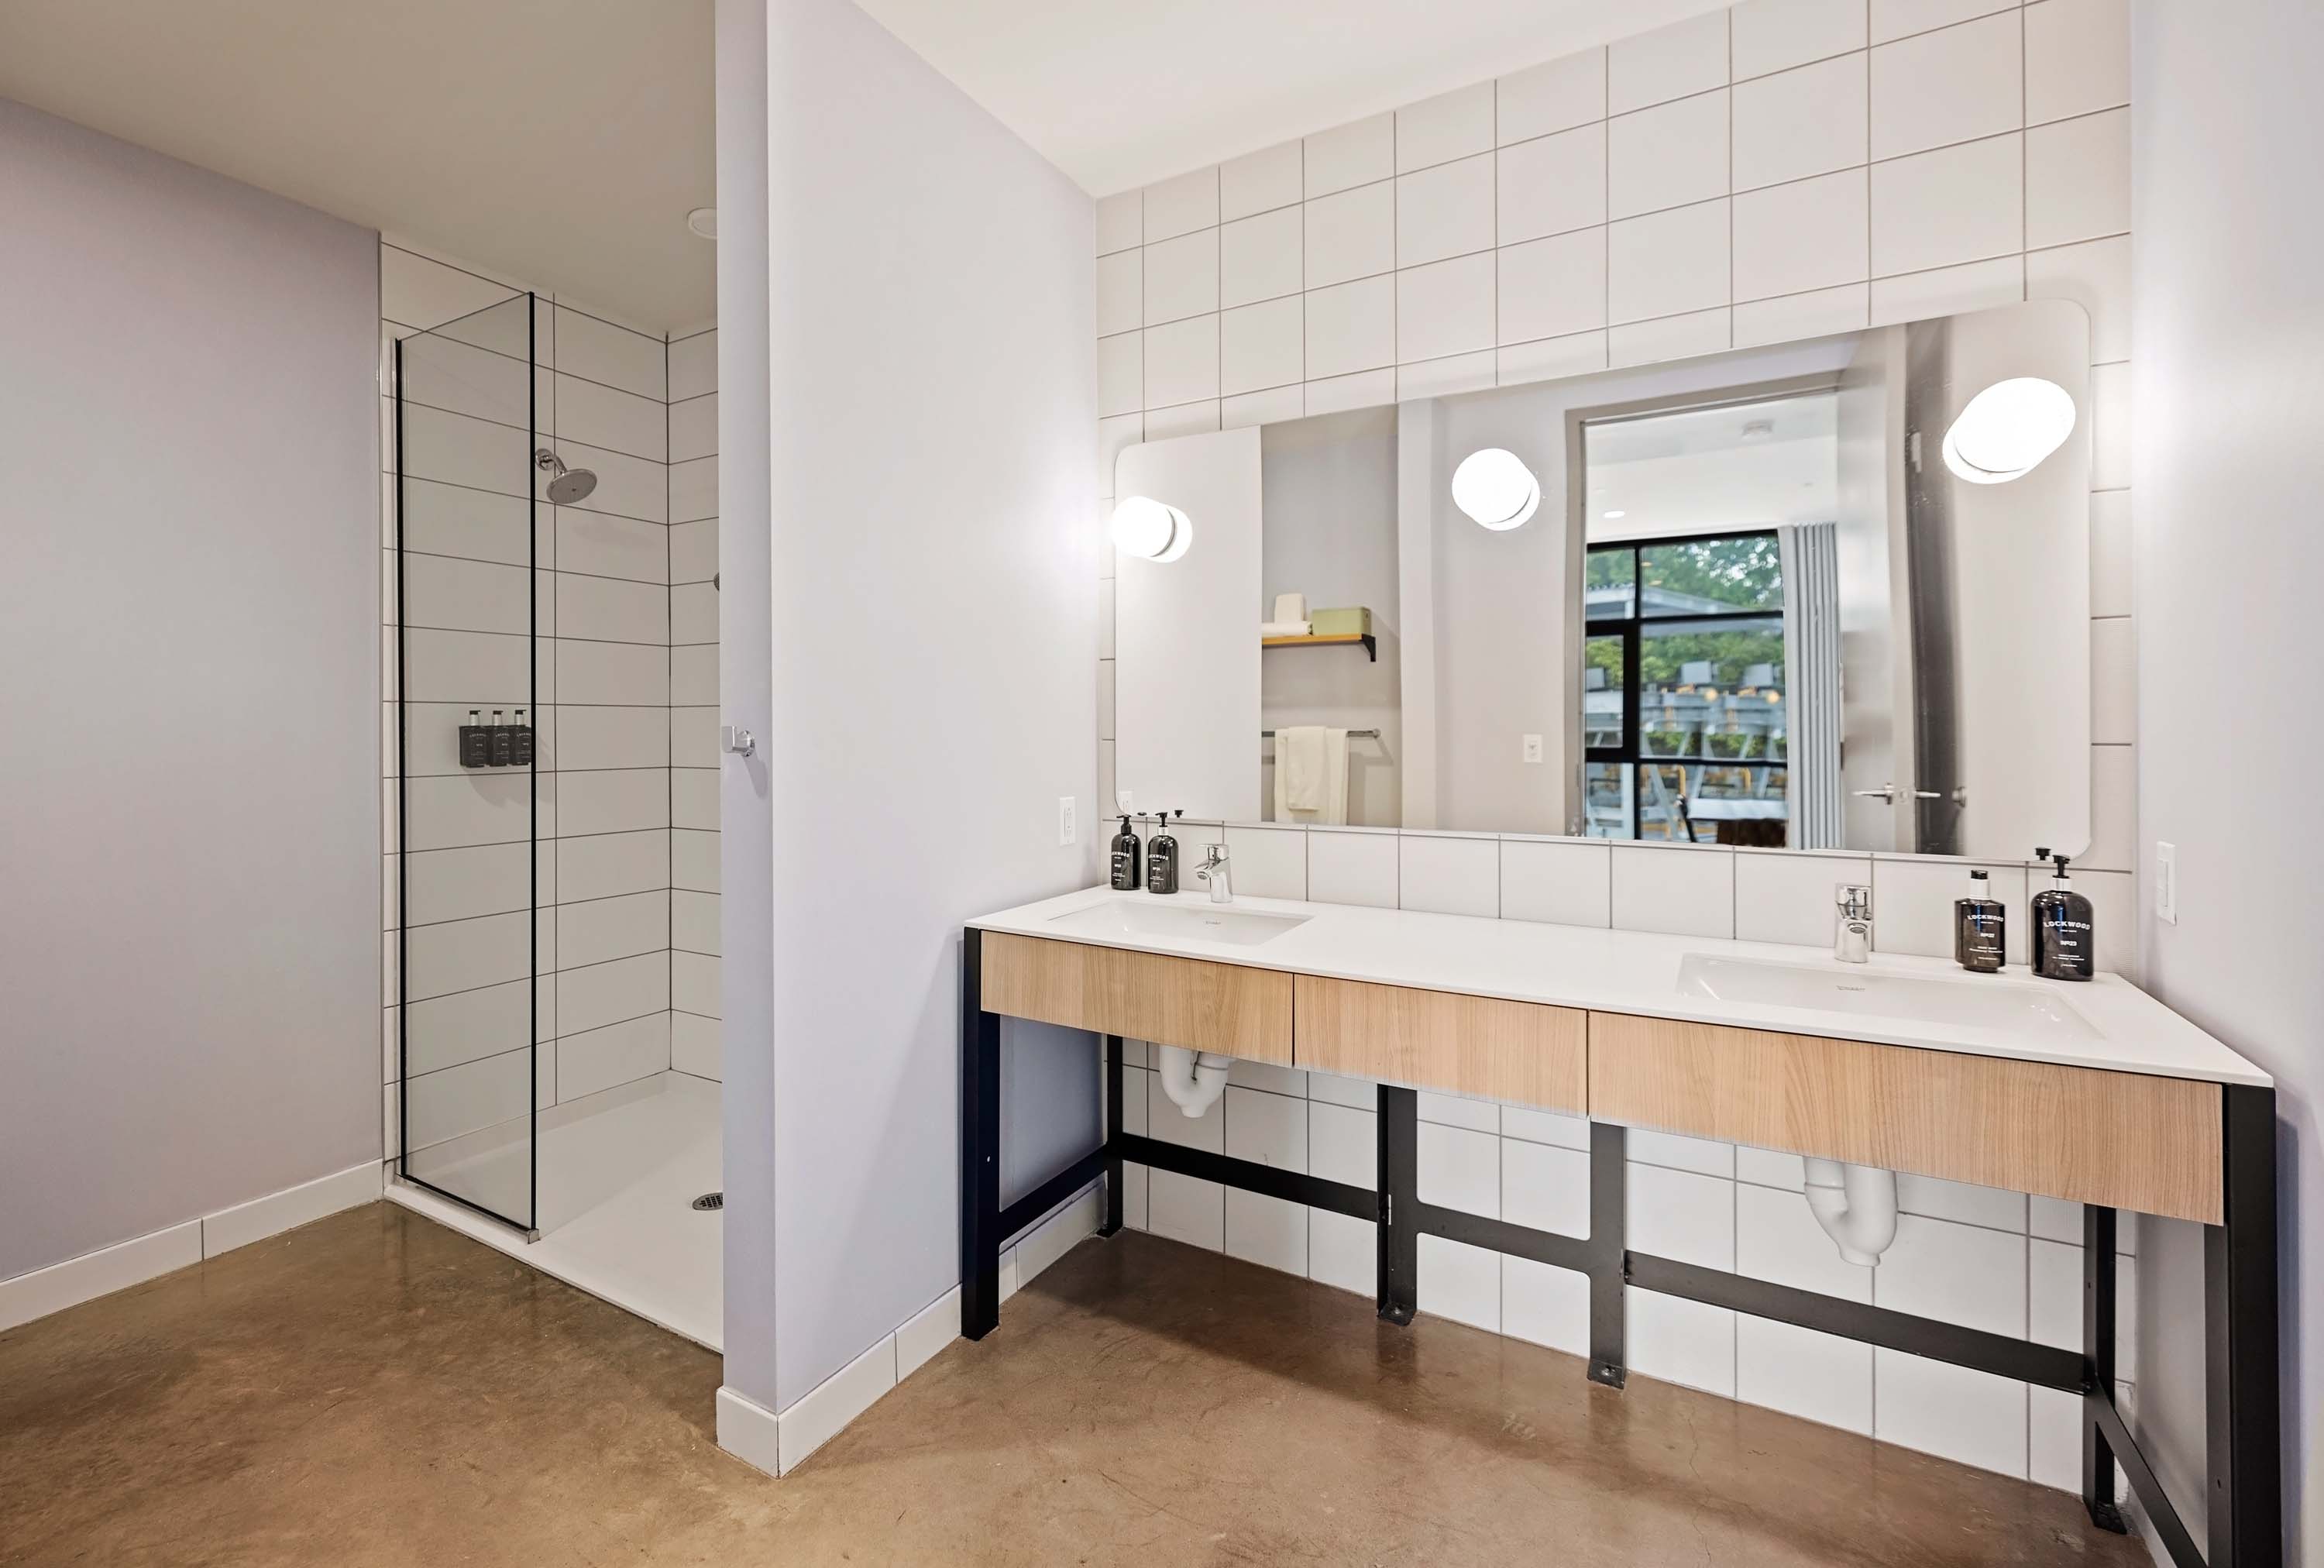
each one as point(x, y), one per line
point(933, 539)
point(190, 872)
point(745, 679)
point(2226, 122)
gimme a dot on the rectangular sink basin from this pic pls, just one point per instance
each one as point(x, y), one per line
point(1130, 918)
point(2005, 1005)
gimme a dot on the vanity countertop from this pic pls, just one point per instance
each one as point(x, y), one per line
point(1639, 973)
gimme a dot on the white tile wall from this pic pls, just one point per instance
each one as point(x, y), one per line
point(1781, 170)
point(618, 581)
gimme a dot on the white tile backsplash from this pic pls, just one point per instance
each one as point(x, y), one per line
point(1353, 867)
point(1448, 875)
point(1670, 155)
point(1775, 35)
point(1796, 105)
point(1262, 181)
point(1564, 93)
point(1551, 184)
point(1803, 122)
point(1955, 85)
point(1670, 62)
point(1565, 882)
point(1444, 211)
point(1350, 155)
point(1681, 891)
point(1437, 130)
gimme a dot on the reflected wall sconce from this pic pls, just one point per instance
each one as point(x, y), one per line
point(2007, 429)
point(1496, 489)
point(1150, 531)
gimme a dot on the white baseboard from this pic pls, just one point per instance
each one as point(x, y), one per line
point(825, 1410)
point(276, 1213)
point(748, 1430)
point(133, 1262)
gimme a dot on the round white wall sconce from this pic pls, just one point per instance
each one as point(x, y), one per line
point(1148, 529)
point(1496, 489)
point(2007, 430)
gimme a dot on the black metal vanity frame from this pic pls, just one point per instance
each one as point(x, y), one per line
point(2244, 1525)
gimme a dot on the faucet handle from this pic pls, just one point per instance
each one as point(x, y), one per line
point(1855, 900)
point(1217, 855)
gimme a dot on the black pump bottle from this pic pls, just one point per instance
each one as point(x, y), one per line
point(1128, 862)
point(1162, 858)
point(2063, 941)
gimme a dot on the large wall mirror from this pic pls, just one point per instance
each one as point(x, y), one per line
point(1823, 594)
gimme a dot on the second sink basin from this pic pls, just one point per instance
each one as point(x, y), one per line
point(1965, 1003)
point(1199, 922)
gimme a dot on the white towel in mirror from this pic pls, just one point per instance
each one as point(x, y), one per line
point(1285, 629)
point(1311, 775)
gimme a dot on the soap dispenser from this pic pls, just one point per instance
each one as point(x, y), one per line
point(2062, 938)
point(1978, 932)
point(1162, 857)
point(1128, 867)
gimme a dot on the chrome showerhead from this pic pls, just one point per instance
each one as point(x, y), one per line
point(567, 486)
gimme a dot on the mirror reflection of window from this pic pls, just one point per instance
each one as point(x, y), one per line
point(1685, 718)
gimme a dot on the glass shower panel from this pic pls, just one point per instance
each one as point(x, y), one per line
point(471, 945)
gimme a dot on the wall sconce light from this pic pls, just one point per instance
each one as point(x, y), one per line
point(1150, 531)
point(1496, 489)
point(2007, 430)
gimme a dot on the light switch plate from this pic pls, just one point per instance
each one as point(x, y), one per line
point(2166, 882)
point(1068, 830)
point(1533, 748)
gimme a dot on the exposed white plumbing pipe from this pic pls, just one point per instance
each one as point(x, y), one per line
point(1194, 1081)
point(1855, 1205)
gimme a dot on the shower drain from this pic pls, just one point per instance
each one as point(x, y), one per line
point(711, 1201)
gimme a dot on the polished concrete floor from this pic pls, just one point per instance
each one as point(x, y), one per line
point(376, 1390)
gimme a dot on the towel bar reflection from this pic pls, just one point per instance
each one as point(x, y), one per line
point(1353, 734)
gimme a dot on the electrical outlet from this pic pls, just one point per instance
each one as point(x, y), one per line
point(1533, 748)
point(1122, 802)
point(1067, 829)
point(2166, 882)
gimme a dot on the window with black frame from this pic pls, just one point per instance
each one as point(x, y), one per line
point(1682, 690)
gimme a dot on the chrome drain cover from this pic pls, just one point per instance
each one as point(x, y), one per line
point(711, 1201)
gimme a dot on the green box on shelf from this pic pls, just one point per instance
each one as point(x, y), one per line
point(1354, 623)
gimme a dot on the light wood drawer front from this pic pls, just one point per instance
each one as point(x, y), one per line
point(2127, 1140)
point(1173, 1001)
point(1436, 1039)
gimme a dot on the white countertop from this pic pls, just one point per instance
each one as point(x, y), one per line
point(1634, 971)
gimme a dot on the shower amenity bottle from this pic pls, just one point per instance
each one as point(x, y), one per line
point(1162, 858)
point(476, 741)
point(1977, 926)
point(520, 742)
point(1128, 869)
point(503, 743)
point(2063, 940)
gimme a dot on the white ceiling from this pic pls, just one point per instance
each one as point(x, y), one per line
point(1120, 94)
point(559, 141)
point(562, 142)
point(1745, 465)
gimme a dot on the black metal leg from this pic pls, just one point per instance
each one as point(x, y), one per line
point(1111, 1222)
point(1608, 1226)
point(980, 1147)
point(2239, 1320)
point(1399, 1204)
point(2097, 1350)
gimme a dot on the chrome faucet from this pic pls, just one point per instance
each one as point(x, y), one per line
point(1213, 870)
point(1853, 944)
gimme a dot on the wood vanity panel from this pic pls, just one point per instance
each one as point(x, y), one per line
point(1437, 1039)
point(1144, 996)
point(2128, 1140)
